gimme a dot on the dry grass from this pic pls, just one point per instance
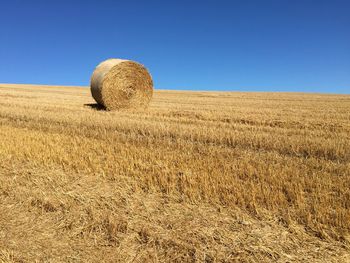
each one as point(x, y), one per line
point(198, 177)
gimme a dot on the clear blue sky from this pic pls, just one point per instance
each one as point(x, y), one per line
point(201, 45)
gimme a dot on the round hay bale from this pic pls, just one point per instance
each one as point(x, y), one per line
point(118, 83)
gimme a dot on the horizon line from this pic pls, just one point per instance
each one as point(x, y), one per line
point(183, 89)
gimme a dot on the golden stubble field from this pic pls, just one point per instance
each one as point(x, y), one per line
point(198, 177)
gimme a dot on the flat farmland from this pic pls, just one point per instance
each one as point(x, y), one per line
point(198, 177)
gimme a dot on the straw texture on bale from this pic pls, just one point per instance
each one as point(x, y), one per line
point(118, 83)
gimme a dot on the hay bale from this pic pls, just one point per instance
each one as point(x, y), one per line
point(117, 84)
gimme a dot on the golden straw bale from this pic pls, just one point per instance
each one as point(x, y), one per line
point(118, 83)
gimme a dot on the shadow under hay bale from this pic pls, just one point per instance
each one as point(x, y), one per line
point(96, 106)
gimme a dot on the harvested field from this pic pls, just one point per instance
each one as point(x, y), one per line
point(197, 177)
